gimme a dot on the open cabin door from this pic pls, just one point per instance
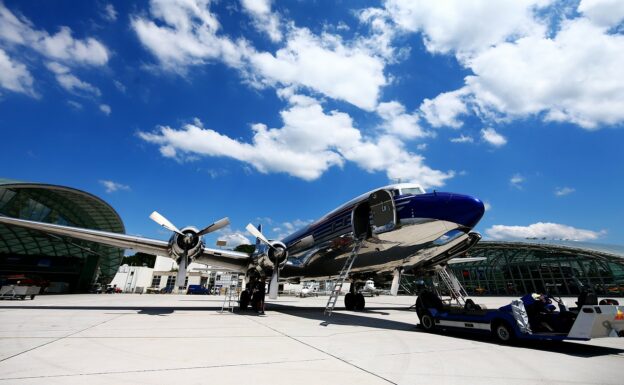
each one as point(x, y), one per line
point(383, 213)
point(374, 216)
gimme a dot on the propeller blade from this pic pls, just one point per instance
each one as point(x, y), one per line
point(181, 276)
point(221, 223)
point(253, 231)
point(396, 280)
point(164, 222)
point(274, 285)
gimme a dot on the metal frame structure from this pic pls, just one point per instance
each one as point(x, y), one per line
point(513, 268)
point(59, 205)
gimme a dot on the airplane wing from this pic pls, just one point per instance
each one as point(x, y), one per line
point(222, 258)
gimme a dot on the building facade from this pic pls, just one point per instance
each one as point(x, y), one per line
point(63, 264)
point(556, 267)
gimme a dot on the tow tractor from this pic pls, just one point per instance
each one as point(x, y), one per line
point(532, 317)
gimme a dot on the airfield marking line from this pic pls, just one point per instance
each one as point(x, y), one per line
point(164, 369)
point(323, 351)
point(61, 338)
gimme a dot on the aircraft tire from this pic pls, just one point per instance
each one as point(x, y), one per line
point(427, 322)
point(360, 302)
point(349, 301)
point(503, 332)
point(244, 300)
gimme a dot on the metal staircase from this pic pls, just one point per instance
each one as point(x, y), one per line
point(344, 273)
point(454, 287)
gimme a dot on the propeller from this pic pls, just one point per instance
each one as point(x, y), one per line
point(278, 252)
point(396, 281)
point(188, 239)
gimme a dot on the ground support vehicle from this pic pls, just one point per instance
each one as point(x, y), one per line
point(523, 320)
point(19, 292)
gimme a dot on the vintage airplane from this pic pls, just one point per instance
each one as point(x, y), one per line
point(389, 230)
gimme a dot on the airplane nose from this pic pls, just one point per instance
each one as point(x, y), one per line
point(464, 210)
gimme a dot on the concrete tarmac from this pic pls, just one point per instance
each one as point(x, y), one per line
point(181, 339)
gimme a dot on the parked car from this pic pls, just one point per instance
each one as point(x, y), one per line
point(197, 289)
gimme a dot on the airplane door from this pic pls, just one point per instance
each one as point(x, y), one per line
point(383, 213)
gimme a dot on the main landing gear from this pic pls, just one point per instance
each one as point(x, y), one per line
point(354, 301)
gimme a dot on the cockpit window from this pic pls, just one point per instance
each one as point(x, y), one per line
point(412, 191)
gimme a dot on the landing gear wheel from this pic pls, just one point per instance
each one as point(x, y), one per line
point(360, 302)
point(503, 333)
point(427, 322)
point(349, 301)
point(243, 303)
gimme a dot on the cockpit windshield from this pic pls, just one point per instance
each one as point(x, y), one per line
point(412, 191)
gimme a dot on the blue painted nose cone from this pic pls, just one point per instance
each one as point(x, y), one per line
point(464, 210)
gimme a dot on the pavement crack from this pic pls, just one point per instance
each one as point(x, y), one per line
point(61, 338)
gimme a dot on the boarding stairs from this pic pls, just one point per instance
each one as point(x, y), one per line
point(344, 273)
point(453, 286)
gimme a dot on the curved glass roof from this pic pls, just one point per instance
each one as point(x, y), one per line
point(60, 205)
point(586, 247)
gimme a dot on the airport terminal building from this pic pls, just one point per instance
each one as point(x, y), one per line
point(67, 265)
point(519, 267)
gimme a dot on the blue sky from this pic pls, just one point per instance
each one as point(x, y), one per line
point(278, 112)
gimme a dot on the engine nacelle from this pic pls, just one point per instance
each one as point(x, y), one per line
point(190, 242)
point(268, 257)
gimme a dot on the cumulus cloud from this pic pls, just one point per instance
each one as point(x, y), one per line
point(492, 137)
point(542, 230)
point(444, 109)
point(112, 187)
point(70, 82)
point(232, 238)
point(183, 34)
point(284, 229)
point(310, 142)
point(562, 191)
point(14, 76)
point(17, 33)
point(398, 122)
point(264, 20)
point(527, 58)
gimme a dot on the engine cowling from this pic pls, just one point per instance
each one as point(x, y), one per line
point(269, 257)
point(190, 242)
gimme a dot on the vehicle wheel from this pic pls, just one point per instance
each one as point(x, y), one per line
point(349, 301)
point(427, 322)
point(243, 303)
point(503, 333)
point(360, 302)
point(32, 297)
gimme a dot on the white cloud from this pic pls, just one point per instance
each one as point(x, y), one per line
point(542, 230)
point(444, 109)
point(112, 187)
point(109, 12)
point(516, 181)
point(398, 122)
point(183, 34)
point(14, 76)
point(309, 143)
point(120, 86)
point(605, 13)
point(463, 139)
point(528, 58)
point(264, 20)
point(465, 27)
point(487, 206)
point(492, 137)
point(105, 108)
point(562, 191)
point(75, 105)
point(284, 229)
point(70, 82)
point(232, 238)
